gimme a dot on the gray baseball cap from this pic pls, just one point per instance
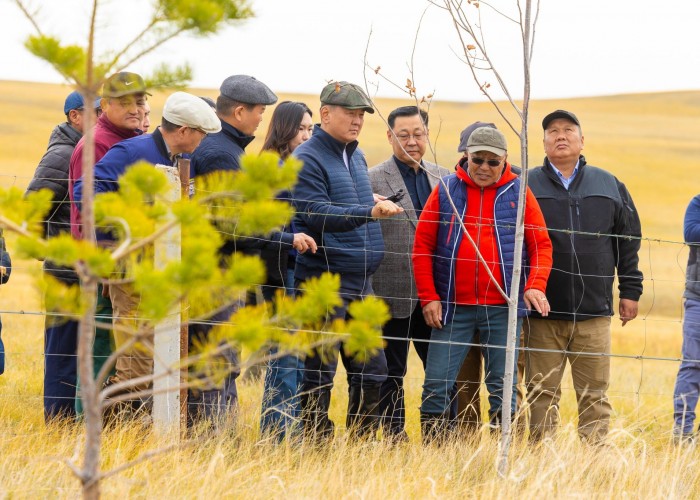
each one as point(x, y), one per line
point(487, 139)
point(464, 136)
point(247, 89)
point(345, 94)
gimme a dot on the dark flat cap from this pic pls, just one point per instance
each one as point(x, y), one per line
point(560, 113)
point(347, 95)
point(464, 136)
point(247, 89)
point(124, 83)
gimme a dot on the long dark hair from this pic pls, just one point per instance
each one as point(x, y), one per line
point(284, 126)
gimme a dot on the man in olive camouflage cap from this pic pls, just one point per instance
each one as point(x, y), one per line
point(335, 205)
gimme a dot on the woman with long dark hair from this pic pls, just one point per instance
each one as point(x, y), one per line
point(290, 126)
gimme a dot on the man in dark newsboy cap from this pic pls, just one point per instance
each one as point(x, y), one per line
point(241, 103)
point(240, 106)
point(334, 202)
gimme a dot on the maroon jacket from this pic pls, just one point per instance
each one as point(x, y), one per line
point(107, 134)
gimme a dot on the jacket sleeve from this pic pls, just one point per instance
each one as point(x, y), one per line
point(107, 172)
point(274, 241)
point(5, 262)
point(424, 245)
point(315, 208)
point(628, 229)
point(538, 244)
point(691, 223)
point(213, 160)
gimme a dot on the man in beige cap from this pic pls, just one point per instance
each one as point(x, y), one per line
point(460, 290)
point(335, 205)
point(187, 119)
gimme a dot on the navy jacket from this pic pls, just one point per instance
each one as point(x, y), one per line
point(7, 263)
point(148, 147)
point(691, 233)
point(220, 151)
point(595, 231)
point(334, 206)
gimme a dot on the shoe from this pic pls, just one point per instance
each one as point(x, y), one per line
point(434, 428)
point(363, 411)
point(316, 426)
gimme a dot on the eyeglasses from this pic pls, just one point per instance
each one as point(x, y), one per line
point(491, 163)
point(418, 137)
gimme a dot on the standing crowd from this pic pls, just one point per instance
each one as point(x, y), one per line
point(437, 244)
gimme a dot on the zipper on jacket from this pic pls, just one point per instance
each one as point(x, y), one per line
point(478, 246)
point(573, 204)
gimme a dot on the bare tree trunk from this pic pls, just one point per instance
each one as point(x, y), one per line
point(506, 409)
point(88, 283)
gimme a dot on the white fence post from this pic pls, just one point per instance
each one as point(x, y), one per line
point(166, 386)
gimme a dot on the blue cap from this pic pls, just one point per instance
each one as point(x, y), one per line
point(75, 101)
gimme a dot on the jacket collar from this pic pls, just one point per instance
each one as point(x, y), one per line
point(238, 137)
point(336, 146)
point(549, 171)
point(69, 132)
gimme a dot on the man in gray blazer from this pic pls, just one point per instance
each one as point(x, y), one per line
point(408, 181)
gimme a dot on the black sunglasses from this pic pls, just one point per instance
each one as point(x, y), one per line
point(480, 161)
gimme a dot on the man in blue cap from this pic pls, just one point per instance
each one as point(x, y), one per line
point(60, 333)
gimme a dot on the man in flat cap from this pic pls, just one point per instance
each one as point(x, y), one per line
point(241, 103)
point(123, 99)
point(240, 106)
point(60, 332)
point(187, 119)
point(335, 206)
point(595, 231)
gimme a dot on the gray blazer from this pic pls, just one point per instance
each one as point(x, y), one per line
point(394, 281)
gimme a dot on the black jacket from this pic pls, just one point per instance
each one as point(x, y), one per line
point(595, 231)
point(52, 174)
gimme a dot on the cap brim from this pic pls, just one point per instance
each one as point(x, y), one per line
point(559, 115)
point(127, 92)
point(368, 109)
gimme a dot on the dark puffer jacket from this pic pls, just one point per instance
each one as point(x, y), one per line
point(7, 264)
point(595, 231)
point(52, 174)
point(334, 206)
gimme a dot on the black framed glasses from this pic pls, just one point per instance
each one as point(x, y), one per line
point(491, 163)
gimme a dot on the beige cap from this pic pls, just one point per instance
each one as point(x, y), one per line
point(188, 110)
point(487, 139)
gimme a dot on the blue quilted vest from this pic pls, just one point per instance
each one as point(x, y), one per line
point(450, 237)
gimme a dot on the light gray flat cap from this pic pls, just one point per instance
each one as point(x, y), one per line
point(187, 110)
point(247, 89)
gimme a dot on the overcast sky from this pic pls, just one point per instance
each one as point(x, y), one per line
point(582, 47)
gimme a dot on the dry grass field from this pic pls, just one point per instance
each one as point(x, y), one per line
point(649, 141)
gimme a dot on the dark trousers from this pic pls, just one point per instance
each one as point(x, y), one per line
point(319, 371)
point(398, 333)
point(60, 367)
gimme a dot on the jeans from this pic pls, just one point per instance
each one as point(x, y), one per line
point(60, 366)
point(447, 353)
point(685, 394)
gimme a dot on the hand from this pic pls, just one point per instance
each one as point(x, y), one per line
point(105, 291)
point(303, 242)
point(538, 300)
point(432, 312)
point(3, 271)
point(385, 208)
point(628, 310)
point(378, 197)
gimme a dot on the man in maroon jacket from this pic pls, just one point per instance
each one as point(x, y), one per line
point(123, 109)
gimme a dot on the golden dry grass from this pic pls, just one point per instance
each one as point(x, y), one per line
point(649, 141)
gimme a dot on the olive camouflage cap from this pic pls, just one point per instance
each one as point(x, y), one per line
point(345, 94)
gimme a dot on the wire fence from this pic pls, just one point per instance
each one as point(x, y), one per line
point(655, 337)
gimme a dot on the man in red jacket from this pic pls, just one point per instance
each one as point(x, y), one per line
point(464, 292)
